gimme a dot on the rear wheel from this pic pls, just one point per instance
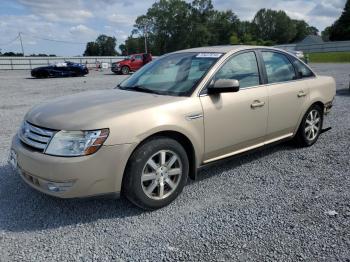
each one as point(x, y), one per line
point(156, 173)
point(310, 126)
point(125, 70)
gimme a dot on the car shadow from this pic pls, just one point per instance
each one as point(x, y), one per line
point(24, 209)
point(53, 77)
point(343, 92)
point(222, 166)
point(110, 74)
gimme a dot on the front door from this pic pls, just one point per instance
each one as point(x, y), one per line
point(137, 62)
point(233, 122)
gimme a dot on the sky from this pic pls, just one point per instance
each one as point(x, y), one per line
point(75, 22)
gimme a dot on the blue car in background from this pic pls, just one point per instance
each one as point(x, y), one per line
point(60, 70)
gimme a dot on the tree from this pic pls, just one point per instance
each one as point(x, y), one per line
point(171, 25)
point(134, 45)
point(123, 49)
point(326, 33)
point(303, 30)
point(234, 40)
point(12, 54)
point(103, 46)
point(91, 49)
point(222, 25)
point(274, 25)
point(340, 30)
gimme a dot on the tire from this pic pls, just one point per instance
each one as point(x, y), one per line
point(159, 163)
point(44, 74)
point(310, 127)
point(75, 74)
point(125, 70)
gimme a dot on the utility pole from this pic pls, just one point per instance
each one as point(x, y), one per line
point(20, 39)
point(145, 36)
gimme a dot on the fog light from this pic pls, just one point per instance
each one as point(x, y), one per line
point(59, 187)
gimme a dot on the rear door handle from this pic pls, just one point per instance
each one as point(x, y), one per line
point(301, 94)
point(256, 104)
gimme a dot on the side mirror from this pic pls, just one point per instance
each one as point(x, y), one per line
point(133, 59)
point(224, 86)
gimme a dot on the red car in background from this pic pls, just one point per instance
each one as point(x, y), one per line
point(131, 63)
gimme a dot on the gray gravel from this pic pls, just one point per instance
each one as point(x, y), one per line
point(280, 203)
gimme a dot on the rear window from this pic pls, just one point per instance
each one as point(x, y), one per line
point(303, 70)
point(278, 67)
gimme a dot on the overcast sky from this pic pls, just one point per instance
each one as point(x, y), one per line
point(83, 20)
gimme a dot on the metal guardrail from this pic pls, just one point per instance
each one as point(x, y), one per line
point(336, 46)
point(25, 63)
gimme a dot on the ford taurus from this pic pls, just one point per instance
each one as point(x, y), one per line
point(186, 109)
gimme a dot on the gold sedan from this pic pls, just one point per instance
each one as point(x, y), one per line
point(179, 112)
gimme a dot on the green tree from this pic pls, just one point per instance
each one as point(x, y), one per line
point(103, 46)
point(134, 45)
point(91, 49)
point(340, 30)
point(326, 33)
point(276, 26)
point(303, 29)
point(234, 40)
point(177, 24)
point(222, 25)
point(123, 49)
point(201, 13)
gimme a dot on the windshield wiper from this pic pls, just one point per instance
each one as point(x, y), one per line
point(139, 88)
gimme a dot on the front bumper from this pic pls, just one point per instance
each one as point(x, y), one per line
point(97, 174)
point(116, 69)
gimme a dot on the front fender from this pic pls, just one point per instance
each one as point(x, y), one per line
point(137, 126)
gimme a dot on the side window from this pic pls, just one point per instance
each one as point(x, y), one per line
point(138, 57)
point(302, 69)
point(242, 67)
point(278, 67)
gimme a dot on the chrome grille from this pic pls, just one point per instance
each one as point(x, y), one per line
point(34, 136)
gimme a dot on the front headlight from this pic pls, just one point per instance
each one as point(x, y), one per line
point(76, 143)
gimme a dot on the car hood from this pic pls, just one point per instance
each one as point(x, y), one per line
point(123, 61)
point(93, 109)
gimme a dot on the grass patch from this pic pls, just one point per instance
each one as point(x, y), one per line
point(330, 57)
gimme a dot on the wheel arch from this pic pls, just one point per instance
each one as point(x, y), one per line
point(126, 66)
point(180, 138)
point(315, 102)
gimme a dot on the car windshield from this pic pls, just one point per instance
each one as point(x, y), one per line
point(174, 74)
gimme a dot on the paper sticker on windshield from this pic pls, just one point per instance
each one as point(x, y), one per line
point(209, 55)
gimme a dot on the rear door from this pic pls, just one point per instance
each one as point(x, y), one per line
point(235, 121)
point(287, 94)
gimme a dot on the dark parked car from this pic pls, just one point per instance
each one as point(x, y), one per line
point(131, 63)
point(60, 70)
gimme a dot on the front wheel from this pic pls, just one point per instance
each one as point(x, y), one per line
point(125, 70)
point(156, 173)
point(310, 127)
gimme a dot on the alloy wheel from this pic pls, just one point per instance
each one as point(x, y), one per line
point(161, 174)
point(125, 70)
point(312, 125)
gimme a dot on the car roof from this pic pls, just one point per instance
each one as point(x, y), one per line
point(224, 48)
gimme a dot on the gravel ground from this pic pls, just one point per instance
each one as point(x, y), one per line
point(281, 203)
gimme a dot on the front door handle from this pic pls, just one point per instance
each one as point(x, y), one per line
point(257, 103)
point(301, 94)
